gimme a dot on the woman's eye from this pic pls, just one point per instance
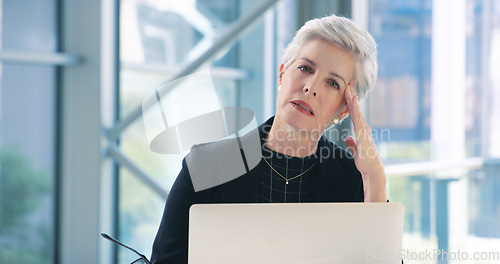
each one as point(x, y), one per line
point(304, 68)
point(333, 83)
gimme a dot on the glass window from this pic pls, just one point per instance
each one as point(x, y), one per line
point(27, 134)
point(482, 98)
point(401, 100)
point(157, 39)
point(448, 206)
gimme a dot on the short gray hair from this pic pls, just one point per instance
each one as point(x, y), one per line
point(346, 35)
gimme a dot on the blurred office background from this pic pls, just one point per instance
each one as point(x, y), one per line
point(75, 162)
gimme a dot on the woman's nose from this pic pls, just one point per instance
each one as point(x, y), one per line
point(308, 88)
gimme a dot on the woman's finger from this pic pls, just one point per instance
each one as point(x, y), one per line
point(355, 112)
point(350, 143)
point(353, 108)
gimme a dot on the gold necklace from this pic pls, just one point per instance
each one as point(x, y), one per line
point(284, 178)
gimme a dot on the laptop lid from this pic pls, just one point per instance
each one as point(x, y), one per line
point(296, 233)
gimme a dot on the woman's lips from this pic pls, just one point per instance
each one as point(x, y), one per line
point(302, 107)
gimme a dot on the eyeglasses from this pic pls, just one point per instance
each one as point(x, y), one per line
point(141, 260)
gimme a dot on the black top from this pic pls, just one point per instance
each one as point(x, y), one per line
point(334, 178)
point(274, 189)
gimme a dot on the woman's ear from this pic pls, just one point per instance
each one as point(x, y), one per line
point(344, 112)
point(280, 74)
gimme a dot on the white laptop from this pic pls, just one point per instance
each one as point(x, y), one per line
point(309, 233)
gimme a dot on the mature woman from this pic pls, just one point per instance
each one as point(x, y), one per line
point(329, 65)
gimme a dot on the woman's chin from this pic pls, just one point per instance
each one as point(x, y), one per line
point(305, 125)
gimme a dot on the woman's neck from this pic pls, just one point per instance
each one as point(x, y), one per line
point(291, 141)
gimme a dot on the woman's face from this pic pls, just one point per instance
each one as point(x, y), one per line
point(312, 87)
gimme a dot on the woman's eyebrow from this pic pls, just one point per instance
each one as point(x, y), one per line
point(331, 73)
point(309, 61)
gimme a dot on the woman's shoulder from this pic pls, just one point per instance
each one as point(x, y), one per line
point(212, 164)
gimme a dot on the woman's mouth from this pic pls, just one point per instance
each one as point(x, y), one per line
point(302, 107)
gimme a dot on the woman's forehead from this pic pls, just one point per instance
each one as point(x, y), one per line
point(328, 57)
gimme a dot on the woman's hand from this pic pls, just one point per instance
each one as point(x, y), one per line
point(366, 157)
